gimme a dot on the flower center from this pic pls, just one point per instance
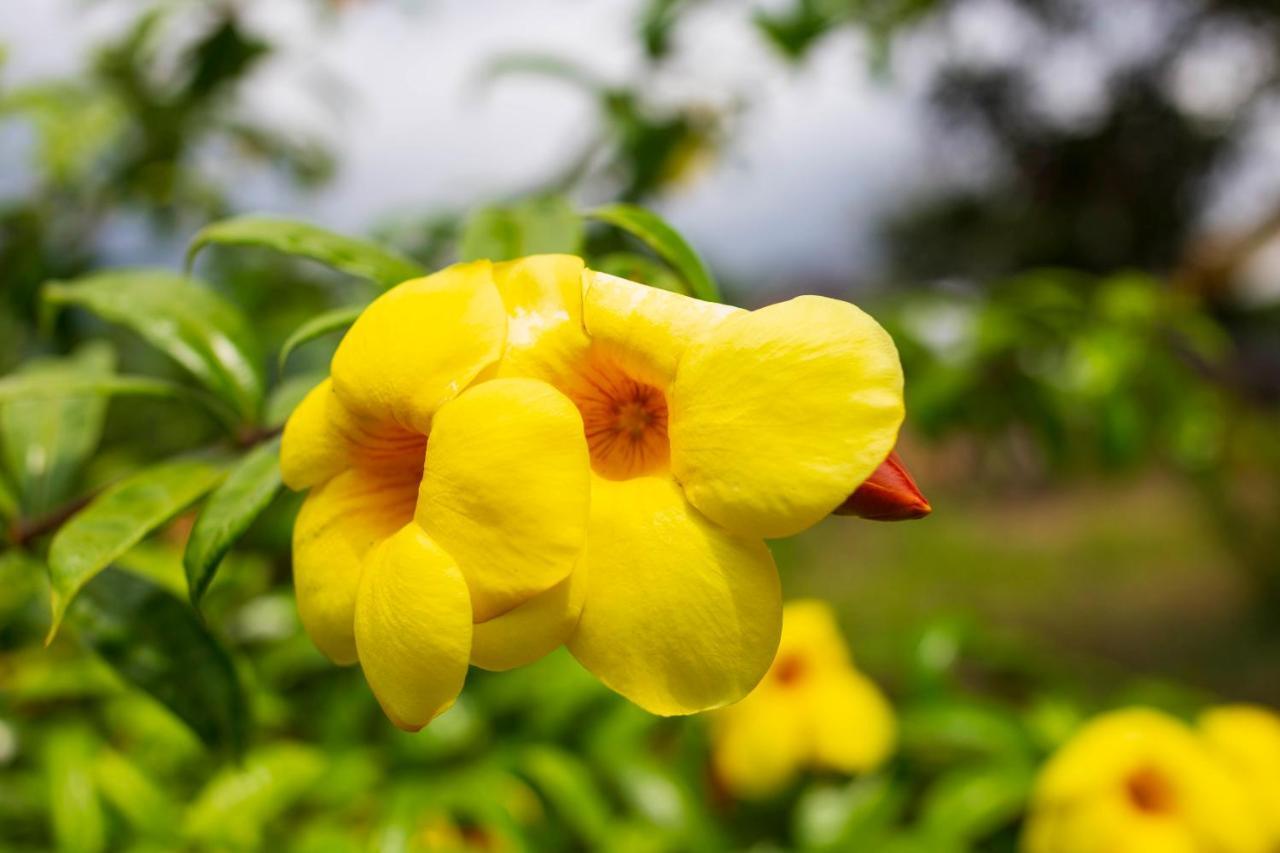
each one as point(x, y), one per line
point(1150, 792)
point(789, 669)
point(625, 421)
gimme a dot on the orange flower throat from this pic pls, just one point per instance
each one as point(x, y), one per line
point(625, 421)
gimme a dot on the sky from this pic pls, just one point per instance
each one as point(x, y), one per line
point(824, 152)
point(394, 87)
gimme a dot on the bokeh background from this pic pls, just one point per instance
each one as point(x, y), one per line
point(1066, 211)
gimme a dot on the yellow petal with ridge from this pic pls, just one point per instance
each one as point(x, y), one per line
point(680, 616)
point(506, 490)
point(421, 343)
point(322, 438)
point(543, 299)
point(645, 329)
point(413, 628)
point(778, 414)
point(340, 521)
point(532, 630)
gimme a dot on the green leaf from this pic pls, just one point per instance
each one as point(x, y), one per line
point(117, 520)
point(567, 784)
point(157, 643)
point(658, 235)
point(8, 499)
point(235, 806)
point(536, 226)
point(22, 387)
point(969, 804)
point(75, 811)
point(489, 233)
point(360, 258)
point(844, 817)
point(286, 396)
point(46, 440)
point(146, 806)
point(638, 267)
point(231, 508)
point(321, 324)
point(944, 729)
point(191, 324)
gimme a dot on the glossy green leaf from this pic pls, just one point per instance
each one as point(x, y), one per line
point(117, 520)
point(76, 817)
point(968, 804)
point(489, 233)
point(139, 799)
point(158, 644)
point(191, 324)
point(45, 440)
point(642, 268)
point(8, 499)
point(43, 676)
point(321, 324)
point(945, 729)
point(655, 232)
point(567, 785)
point(235, 806)
point(850, 816)
point(536, 226)
point(360, 258)
point(23, 385)
point(286, 396)
point(231, 508)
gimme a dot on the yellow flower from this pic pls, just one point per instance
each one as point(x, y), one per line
point(1248, 740)
point(514, 456)
point(812, 709)
point(1139, 781)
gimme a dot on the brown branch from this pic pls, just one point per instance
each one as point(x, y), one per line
point(23, 530)
point(1212, 265)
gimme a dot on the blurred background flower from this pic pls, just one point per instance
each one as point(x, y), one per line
point(812, 710)
point(1137, 779)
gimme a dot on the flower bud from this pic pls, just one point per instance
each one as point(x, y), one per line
point(889, 494)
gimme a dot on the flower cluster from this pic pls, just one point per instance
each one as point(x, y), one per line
point(813, 709)
point(510, 457)
point(1140, 780)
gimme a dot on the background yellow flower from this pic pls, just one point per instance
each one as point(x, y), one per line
point(813, 710)
point(1139, 780)
point(1247, 737)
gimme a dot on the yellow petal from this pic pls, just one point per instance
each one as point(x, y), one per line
point(1100, 764)
point(1247, 738)
point(322, 437)
point(312, 449)
point(759, 746)
point(420, 344)
point(413, 628)
point(777, 414)
point(644, 329)
point(506, 490)
point(853, 726)
point(543, 299)
point(340, 521)
point(680, 615)
point(534, 629)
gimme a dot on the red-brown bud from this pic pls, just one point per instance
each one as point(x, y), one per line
point(889, 494)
